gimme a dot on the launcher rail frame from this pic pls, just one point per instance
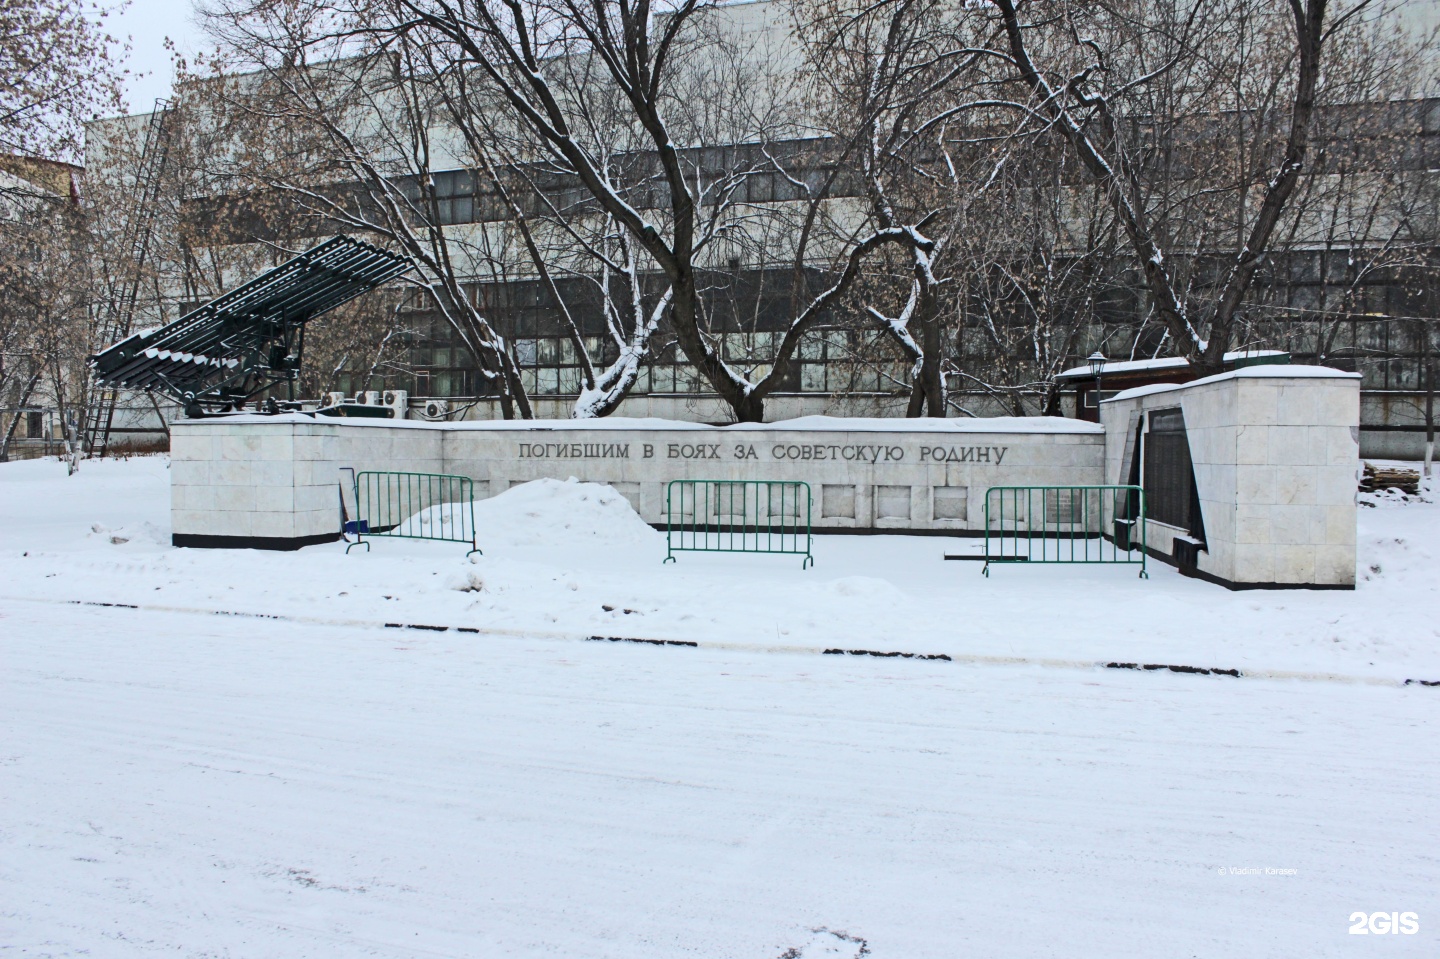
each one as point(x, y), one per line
point(251, 339)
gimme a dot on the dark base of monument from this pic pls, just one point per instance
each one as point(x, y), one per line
point(203, 541)
point(1196, 573)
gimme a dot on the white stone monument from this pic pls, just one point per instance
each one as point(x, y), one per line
point(1275, 453)
point(271, 481)
point(1250, 476)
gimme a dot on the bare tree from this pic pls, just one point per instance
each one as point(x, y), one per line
point(346, 145)
point(562, 235)
point(381, 121)
point(1019, 254)
point(43, 302)
point(885, 75)
point(205, 234)
point(1099, 96)
point(1041, 260)
point(56, 71)
point(544, 61)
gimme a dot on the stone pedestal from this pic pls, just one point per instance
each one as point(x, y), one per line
point(1276, 455)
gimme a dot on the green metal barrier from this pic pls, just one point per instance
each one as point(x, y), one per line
point(738, 516)
point(434, 506)
point(1065, 524)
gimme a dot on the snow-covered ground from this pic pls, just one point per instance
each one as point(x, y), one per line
point(183, 783)
point(556, 555)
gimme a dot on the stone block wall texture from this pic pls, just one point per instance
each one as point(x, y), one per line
point(277, 477)
point(273, 479)
point(1276, 458)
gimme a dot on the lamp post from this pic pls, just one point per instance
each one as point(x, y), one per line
point(1097, 366)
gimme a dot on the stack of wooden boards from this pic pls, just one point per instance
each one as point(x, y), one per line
point(1377, 478)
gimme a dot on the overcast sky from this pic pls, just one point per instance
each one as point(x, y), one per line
point(148, 23)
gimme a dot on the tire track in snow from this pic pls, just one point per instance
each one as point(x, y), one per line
point(976, 659)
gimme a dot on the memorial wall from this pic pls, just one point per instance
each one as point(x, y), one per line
point(271, 481)
point(1249, 477)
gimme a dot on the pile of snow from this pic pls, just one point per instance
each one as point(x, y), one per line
point(548, 521)
point(562, 517)
point(865, 589)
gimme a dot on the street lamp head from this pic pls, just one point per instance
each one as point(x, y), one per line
point(1097, 363)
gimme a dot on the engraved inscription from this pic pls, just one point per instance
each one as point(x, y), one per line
point(575, 451)
point(826, 451)
point(877, 454)
point(963, 454)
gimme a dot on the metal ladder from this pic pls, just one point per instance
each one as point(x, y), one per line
point(119, 309)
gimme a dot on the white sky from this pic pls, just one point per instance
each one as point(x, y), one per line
point(148, 23)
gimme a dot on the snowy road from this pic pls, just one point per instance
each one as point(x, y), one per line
point(201, 786)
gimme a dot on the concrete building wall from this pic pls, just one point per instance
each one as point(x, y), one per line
point(1392, 424)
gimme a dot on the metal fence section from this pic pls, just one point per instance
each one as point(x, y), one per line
point(1065, 524)
point(434, 506)
point(738, 516)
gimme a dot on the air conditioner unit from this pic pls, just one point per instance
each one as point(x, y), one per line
point(436, 409)
point(368, 398)
point(328, 400)
point(398, 401)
